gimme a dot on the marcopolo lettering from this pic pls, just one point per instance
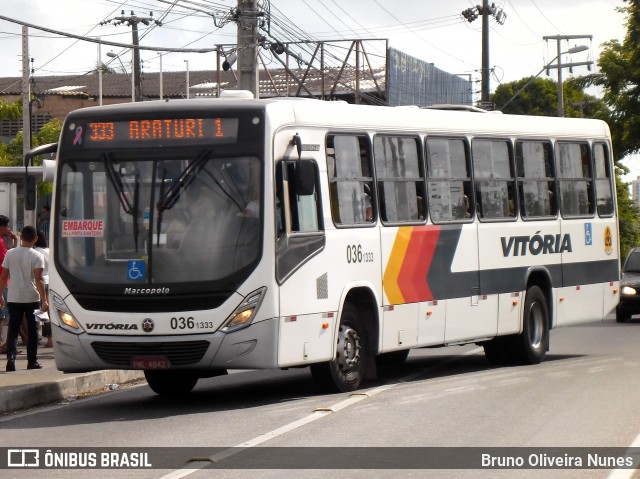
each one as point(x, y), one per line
point(536, 244)
point(112, 326)
point(149, 291)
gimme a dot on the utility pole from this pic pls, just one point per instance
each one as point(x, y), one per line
point(26, 92)
point(133, 21)
point(29, 188)
point(470, 14)
point(247, 54)
point(484, 97)
point(561, 65)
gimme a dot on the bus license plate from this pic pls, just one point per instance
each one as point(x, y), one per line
point(149, 362)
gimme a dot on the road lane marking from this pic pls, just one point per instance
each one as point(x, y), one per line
point(200, 463)
point(627, 473)
point(319, 413)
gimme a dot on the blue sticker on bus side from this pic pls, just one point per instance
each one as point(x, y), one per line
point(136, 270)
point(588, 236)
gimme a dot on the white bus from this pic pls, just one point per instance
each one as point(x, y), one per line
point(192, 237)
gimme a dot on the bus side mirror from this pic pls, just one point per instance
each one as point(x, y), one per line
point(30, 193)
point(305, 177)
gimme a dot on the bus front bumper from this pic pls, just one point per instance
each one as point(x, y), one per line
point(254, 347)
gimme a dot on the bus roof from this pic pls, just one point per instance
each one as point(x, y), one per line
point(341, 115)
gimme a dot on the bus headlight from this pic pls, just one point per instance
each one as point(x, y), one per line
point(244, 314)
point(628, 291)
point(67, 320)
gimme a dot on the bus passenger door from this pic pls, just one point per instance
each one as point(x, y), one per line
point(301, 266)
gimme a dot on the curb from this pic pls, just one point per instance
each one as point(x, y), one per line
point(26, 396)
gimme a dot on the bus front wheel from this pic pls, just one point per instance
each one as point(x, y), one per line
point(530, 347)
point(171, 383)
point(345, 372)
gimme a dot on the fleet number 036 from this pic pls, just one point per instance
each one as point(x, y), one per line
point(356, 255)
point(190, 323)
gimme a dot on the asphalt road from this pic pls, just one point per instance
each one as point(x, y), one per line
point(583, 395)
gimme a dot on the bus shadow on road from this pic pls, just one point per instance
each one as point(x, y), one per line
point(258, 388)
point(424, 367)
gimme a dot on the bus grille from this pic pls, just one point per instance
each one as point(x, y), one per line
point(178, 353)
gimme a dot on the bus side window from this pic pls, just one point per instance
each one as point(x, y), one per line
point(350, 180)
point(575, 179)
point(296, 211)
point(400, 178)
point(449, 180)
point(604, 192)
point(536, 182)
point(494, 179)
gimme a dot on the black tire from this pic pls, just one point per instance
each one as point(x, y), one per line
point(496, 351)
point(531, 346)
point(171, 383)
point(345, 372)
point(621, 316)
point(392, 359)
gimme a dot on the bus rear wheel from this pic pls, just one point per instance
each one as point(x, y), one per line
point(345, 372)
point(171, 383)
point(621, 316)
point(530, 347)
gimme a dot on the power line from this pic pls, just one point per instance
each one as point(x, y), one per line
point(106, 42)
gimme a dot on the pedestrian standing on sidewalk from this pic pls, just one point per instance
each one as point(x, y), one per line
point(24, 265)
point(8, 239)
point(42, 247)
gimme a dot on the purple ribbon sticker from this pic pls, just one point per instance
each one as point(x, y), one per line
point(78, 139)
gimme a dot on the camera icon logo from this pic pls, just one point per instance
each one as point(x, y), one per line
point(23, 458)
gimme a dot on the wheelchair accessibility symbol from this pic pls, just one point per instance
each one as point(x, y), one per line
point(588, 234)
point(136, 270)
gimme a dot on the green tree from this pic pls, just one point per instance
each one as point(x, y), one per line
point(10, 111)
point(540, 97)
point(619, 78)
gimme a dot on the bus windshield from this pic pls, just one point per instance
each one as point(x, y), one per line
point(144, 218)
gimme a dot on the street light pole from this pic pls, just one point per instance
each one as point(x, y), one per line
point(115, 55)
point(561, 65)
point(560, 94)
point(99, 65)
point(470, 14)
point(187, 79)
point(133, 21)
point(576, 49)
point(161, 91)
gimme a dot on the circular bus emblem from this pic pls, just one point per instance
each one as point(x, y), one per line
point(147, 325)
point(608, 240)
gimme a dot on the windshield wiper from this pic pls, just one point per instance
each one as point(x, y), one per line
point(170, 197)
point(136, 201)
point(160, 211)
point(114, 178)
point(225, 191)
point(116, 182)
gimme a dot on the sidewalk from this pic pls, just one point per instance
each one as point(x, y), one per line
point(28, 388)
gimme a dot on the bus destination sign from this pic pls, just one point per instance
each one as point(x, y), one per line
point(161, 132)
